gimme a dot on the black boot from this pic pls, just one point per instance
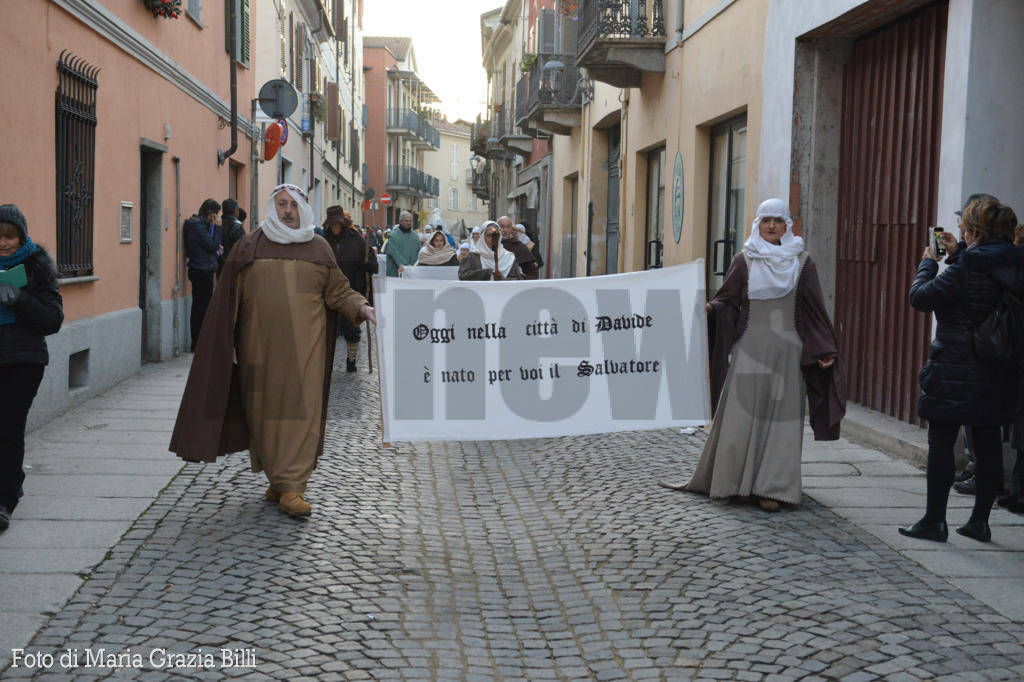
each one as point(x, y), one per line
point(966, 487)
point(350, 365)
point(977, 530)
point(937, 531)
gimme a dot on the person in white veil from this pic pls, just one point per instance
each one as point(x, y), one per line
point(488, 259)
point(769, 316)
point(260, 378)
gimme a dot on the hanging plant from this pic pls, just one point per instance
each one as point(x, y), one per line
point(529, 59)
point(567, 8)
point(169, 9)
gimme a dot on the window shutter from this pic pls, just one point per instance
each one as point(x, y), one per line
point(333, 125)
point(284, 50)
point(354, 139)
point(291, 48)
point(570, 32)
point(243, 37)
point(300, 55)
point(338, 18)
point(546, 32)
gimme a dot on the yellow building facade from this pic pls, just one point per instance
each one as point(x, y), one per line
point(662, 166)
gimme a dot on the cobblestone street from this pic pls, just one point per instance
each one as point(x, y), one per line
point(553, 559)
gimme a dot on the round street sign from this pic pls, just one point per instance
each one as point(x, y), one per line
point(385, 198)
point(278, 98)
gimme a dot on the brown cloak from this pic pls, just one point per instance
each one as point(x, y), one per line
point(826, 388)
point(524, 257)
point(211, 420)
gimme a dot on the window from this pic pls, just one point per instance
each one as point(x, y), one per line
point(455, 161)
point(76, 165)
point(194, 9)
point(453, 199)
point(655, 207)
point(472, 202)
point(241, 30)
point(725, 210)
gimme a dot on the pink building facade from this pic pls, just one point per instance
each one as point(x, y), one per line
point(117, 126)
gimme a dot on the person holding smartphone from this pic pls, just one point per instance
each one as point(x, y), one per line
point(958, 388)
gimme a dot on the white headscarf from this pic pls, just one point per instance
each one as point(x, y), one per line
point(506, 259)
point(277, 231)
point(774, 269)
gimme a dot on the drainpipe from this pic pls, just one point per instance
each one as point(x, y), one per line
point(223, 156)
point(679, 21)
point(177, 252)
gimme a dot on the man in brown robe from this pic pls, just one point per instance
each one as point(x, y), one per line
point(261, 375)
point(524, 257)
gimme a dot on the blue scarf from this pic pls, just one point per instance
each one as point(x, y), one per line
point(7, 315)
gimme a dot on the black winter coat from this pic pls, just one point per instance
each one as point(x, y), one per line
point(39, 311)
point(350, 251)
point(200, 247)
point(233, 233)
point(956, 387)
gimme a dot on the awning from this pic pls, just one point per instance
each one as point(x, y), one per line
point(529, 189)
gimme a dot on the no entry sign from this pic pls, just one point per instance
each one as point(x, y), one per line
point(385, 198)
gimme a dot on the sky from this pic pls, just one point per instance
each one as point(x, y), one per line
point(446, 38)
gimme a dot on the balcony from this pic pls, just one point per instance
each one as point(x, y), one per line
point(407, 123)
point(403, 179)
point(503, 130)
point(403, 122)
point(549, 101)
point(620, 40)
point(480, 185)
point(478, 134)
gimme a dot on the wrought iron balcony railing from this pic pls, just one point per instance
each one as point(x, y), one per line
point(478, 134)
point(620, 39)
point(480, 185)
point(620, 19)
point(553, 89)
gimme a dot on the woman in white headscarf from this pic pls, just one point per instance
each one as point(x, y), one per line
point(488, 259)
point(770, 318)
point(437, 251)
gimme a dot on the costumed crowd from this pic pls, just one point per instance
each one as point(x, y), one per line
point(269, 304)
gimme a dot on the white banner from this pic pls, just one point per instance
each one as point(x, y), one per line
point(450, 272)
point(538, 359)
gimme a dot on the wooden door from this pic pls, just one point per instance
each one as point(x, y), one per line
point(889, 163)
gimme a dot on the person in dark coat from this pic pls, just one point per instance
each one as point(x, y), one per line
point(357, 262)
point(28, 313)
point(510, 240)
point(958, 388)
point(203, 241)
point(231, 226)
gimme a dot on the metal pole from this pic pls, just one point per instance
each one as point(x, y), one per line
point(254, 185)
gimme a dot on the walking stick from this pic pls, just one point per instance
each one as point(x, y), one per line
point(369, 330)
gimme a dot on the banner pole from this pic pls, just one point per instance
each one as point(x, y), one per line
point(380, 387)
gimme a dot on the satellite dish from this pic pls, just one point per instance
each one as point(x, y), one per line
point(278, 98)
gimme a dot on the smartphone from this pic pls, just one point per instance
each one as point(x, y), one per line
point(935, 241)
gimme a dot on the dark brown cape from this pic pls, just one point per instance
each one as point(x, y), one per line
point(211, 420)
point(524, 257)
point(826, 388)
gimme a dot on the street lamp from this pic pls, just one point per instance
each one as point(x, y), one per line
point(551, 75)
point(474, 162)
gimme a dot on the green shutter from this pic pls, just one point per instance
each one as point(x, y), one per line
point(244, 38)
point(242, 48)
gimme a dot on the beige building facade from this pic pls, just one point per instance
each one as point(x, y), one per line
point(452, 164)
point(661, 166)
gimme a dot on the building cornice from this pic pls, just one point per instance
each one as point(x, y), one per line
point(107, 24)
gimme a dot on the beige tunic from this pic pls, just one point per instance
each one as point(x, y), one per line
point(756, 437)
point(280, 331)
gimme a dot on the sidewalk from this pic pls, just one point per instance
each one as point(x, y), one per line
point(90, 474)
point(880, 493)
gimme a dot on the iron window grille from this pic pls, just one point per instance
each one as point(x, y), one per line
point(76, 164)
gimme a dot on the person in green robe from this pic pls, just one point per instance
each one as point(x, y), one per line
point(403, 245)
